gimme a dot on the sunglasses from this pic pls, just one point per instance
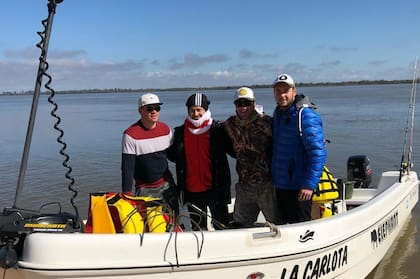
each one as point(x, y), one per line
point(150, 108)
point(246, 103)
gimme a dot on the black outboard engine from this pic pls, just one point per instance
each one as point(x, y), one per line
point(15, 224)
point(358, 170)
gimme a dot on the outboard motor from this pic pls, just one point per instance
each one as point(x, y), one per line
point(15, 224)
point(358, 170)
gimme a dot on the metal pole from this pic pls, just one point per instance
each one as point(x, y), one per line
point(37, 91)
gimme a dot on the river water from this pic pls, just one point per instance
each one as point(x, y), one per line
point(369, 120)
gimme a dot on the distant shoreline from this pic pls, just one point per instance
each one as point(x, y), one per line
point(130, 90)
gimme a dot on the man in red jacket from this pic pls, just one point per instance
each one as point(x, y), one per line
point(202, 168)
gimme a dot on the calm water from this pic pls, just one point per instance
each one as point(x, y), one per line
point(366, 120)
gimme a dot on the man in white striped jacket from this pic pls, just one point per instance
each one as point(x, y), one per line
point(144, 147)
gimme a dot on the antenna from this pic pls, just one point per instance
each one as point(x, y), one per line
point(45, 38)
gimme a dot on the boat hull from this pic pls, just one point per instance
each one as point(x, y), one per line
point(348, 245)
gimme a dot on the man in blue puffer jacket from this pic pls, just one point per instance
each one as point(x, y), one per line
point(299, 152)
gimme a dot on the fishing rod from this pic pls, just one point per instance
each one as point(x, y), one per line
point(407, 165)
point(413, 109)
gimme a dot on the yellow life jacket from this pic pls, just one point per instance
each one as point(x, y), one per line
point(152, 213)
point(326, 210)
point(327, 189)
point(119, 213)
point(129, 219)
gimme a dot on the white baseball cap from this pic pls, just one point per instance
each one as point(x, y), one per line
point(149, 99)
point(244, 93)
point(285, 78)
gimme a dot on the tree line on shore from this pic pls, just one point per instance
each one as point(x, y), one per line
point(128, 90)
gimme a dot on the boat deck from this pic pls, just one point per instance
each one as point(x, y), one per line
point(361, 196)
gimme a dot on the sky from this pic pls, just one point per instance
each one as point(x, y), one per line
point(198, 43)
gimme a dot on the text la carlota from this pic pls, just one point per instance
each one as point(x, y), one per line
point(319, 267)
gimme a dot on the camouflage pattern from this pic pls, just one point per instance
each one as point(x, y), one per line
point(252, 145)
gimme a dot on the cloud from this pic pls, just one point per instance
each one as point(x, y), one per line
point(67, 54)
point(344, 49)
point(107, 73)
point(70, 74)
point(240, 66)
point(295, 68)
point(176, 66)
point(331, 63)
point(155, 62)
point(194, 60)
point(377, 62)
point(248, 54)
point(25, 54)
point(73, 70)
point(34, 53)
point(244, 53)
point(17, 76)
point(265, 68)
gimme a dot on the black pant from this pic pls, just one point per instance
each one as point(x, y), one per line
point(198, 211)
point(290, 209)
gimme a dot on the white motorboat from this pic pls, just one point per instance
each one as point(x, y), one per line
point(346, 245)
